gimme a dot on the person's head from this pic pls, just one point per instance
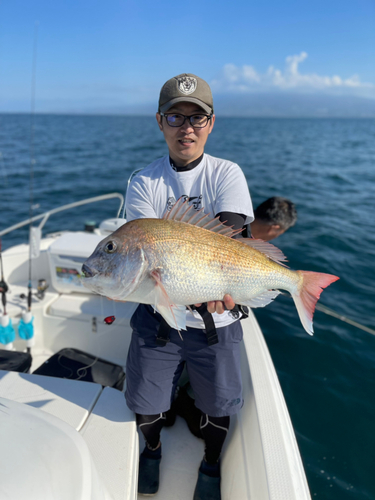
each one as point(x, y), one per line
point(273, 217)
point(185, 95)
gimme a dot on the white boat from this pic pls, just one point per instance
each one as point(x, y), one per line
point(72, 439)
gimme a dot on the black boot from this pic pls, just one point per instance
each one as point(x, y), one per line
point(208, 484)
point(148, 474)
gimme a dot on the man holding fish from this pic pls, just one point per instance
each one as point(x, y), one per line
point(185, 117)
point(176, 250)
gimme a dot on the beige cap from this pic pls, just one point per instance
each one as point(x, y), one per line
point(186, 88)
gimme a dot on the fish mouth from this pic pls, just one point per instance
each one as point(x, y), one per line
point(88, 272)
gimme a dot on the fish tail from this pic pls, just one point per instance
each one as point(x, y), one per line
point(308, 294)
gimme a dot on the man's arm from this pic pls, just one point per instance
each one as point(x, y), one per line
point(236, 221)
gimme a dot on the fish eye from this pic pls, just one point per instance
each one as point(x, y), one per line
point(110, 247)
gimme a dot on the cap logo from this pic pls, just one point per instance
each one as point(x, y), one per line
point(187, 84)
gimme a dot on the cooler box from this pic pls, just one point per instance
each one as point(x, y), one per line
point(66, 256)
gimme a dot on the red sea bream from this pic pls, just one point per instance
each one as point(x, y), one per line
point(188, 258)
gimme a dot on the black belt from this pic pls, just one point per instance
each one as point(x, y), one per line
point(211, 334)
point(162, 338)
point(209, 324)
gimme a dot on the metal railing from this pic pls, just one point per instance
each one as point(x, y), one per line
point(46, 215)
point(133, 174)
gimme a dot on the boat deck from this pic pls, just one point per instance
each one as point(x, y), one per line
point(260, 458)
point(182, 453)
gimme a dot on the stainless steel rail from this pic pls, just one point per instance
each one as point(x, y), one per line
point(133, 174)
point(45, 216)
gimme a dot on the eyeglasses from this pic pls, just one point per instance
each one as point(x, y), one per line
point(177, 120)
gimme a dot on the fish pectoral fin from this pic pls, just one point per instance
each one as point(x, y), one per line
point(174, 315)
point(262, 300)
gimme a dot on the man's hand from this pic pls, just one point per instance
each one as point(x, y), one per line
point(218, 305)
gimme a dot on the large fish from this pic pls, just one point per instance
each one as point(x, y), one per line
point(188, 258)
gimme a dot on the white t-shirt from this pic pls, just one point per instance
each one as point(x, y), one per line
point(216, 185)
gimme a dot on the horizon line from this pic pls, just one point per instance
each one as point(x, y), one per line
point(146, 115)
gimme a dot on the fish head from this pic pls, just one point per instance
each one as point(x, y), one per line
point(116, 266)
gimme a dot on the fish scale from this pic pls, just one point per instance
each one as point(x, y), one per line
point(210, 265)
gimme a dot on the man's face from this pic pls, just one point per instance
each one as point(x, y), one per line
point(185, 143)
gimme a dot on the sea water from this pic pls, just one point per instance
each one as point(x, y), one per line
point(327, 168)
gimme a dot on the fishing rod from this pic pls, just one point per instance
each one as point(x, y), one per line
point(341, 317)
point(25, 327)
point(7, 333)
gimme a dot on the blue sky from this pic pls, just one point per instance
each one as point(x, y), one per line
point(109, 55)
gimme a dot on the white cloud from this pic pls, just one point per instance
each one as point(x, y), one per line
point(246, 79)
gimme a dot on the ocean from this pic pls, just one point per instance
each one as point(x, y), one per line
point(327, 168)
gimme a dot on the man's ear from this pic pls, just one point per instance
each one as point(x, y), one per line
point(158, 119)
point(275, 231)
point(212, 123)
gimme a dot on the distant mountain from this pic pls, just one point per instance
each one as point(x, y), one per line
point(272, 105)
point(294, 105)
point(261, 104)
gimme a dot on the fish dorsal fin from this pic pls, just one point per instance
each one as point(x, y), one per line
point(183, 212)
point(266, 248)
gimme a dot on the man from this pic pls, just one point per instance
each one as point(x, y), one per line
point(272, 218)
point(157, 354)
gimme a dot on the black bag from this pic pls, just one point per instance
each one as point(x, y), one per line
point(15, 361)
point(78, 365)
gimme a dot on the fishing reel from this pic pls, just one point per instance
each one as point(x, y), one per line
point(3, 290)
point(41, 290)
point(3, 287)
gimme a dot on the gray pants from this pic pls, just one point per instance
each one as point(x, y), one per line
point(152, 372)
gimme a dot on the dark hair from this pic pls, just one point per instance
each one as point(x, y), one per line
point(277, 210)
